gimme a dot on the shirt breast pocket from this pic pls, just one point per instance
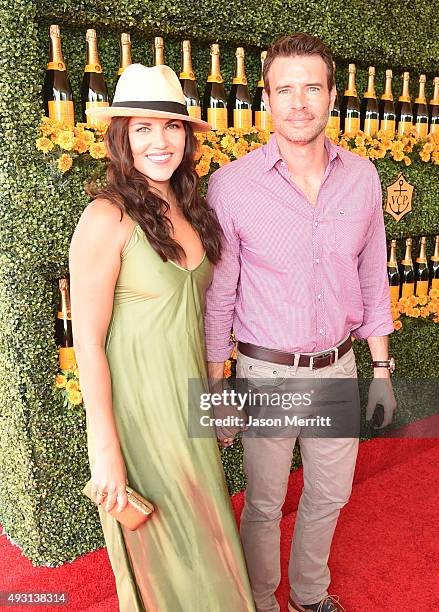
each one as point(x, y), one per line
point(349, 230)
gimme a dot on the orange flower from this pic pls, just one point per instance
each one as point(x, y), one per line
point(227, 369)
point(397, 325)
point(407, 161)
point(422, 300)
point(424, 156)
point(65, 162)
point(65, 140)
point(416, 313)
point(428, 148)
point(80, 145)
point(434, 293)
point(424, 311)
point(397, 156)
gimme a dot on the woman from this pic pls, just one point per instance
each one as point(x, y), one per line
point(140, 262)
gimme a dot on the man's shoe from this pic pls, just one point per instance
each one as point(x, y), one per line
point(330, 603)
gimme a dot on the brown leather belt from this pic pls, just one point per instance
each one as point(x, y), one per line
point(320, 360)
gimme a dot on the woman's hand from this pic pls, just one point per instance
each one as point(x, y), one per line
point(109, 479)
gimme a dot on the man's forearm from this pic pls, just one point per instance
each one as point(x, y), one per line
point(215, 372)
point(379, 350)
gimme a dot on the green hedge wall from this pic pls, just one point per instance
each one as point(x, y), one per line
point(43, 463)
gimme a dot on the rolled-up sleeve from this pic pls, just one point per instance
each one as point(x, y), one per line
point(372, 272)
point(221, 295)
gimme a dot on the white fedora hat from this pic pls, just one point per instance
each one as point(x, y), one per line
point(144, 91)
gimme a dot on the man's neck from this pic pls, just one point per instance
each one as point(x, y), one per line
point(304, 160)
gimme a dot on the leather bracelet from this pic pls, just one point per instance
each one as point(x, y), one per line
point(385, 363)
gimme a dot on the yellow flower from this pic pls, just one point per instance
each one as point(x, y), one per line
point(65, 162)
point(227, 143)
point(72, 385)
point(98, 150)
point(202, 168)
point(412, 300)
point(44, 144)
point(407, 160)
point(65, 140)
point(422, 300)
point(224, 159)
point(397, 325)
point(424, 312)
point(344, 144)
point(428, 148)
point(416, 313)
point(255, 145)
point(424, 156)
point(80, 145)
point(360, 151)
point(60, 381)
point(359, 141)
point(434, 293)
point(75, 397)
point(397, 155)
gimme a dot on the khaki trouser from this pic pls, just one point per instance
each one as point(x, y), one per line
point(328, 469)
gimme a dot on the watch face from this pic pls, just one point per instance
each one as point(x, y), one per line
point(392, 365)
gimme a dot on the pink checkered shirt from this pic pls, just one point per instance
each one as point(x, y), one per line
point(293, 276)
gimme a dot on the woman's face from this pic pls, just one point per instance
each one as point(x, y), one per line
point(157, 146)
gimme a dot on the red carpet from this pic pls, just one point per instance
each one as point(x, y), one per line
point(385, 555)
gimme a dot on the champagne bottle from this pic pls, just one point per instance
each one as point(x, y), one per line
point(408, 272)
point(189, 83)
point(350, 106)
point(404, 110)
point(125, 53)
point(434, 265)
point(261, 116)
point(369, 107)
point(393, 273)
point(420, 110)
point(387, 107)
point(57, 92)
point(239, 104)
point(434, 108)
point(93, 89)
point(63, 327)
point(333, 125)
point(422, 274)
point(215, 101)
point(159, 51)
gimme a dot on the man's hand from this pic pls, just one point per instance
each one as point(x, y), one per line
point(381, 392)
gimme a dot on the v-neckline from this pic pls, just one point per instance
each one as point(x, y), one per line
point(187, 269)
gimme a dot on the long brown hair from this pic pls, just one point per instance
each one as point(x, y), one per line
point(129, 190)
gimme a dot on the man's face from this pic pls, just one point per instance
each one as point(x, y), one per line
point(299, 100)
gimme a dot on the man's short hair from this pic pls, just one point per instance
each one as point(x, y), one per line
point(298, 45)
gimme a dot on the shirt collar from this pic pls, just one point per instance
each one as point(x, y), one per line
point(272, 153)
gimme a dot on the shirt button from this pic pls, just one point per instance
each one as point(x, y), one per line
point(317, 260)
point(322, 331)
point(315, 223)
point(319, 296)
point(282, 164)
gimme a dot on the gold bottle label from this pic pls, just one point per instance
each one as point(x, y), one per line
point(94, 120)
point(60, 315)
point(215, 78)
point(408, 289)
point(62, 110)
point(352, 125)
point(422, 129)
point(263, 120)
point(404, 99)
point(217, 117)
point(434, 128)
point(239, 81)
point(67, 359)
point(386, 96)
point(93, 68)
point(242, 118)
point(333, 123)
point(388, 126)
point(350, 92)
point(194, 111)
point(394, 293)
point(421, 288)
point(404, 127)
point(435, 283)
point(189, 76)
point(369, 95)
point(56, 66)
point(370, 126)
point(261, 83)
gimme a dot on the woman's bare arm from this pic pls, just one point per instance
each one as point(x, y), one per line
point(94, 267)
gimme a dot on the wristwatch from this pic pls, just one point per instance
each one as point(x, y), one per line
point(388, 363)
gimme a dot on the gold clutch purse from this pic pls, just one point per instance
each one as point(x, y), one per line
point(136, 512)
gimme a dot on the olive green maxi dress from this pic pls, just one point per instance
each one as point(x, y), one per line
point(187, 557)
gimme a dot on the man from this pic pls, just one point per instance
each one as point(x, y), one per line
point(304, 267)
